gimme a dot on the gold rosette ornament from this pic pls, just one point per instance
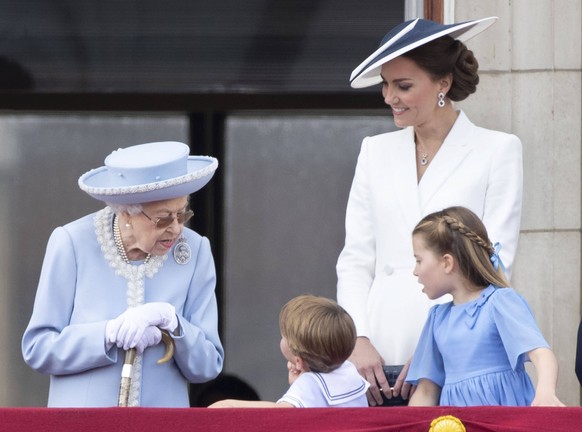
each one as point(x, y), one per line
point(447, 423)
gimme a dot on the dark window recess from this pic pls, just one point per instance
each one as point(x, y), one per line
point(174, 47)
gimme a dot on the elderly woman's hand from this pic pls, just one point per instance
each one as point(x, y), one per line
point(151, 336)
point(128, 328)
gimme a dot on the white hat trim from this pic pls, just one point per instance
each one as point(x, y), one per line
point(402, 32)
point(149, 187)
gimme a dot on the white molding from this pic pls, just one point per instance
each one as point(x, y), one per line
point(448, 11)
point(413, 9)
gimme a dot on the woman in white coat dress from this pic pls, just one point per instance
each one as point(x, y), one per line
point(113, 280)
point(438, 159)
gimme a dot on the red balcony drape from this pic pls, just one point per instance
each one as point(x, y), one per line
point(401, 419)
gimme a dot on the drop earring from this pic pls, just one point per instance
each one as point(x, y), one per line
point(441, 102)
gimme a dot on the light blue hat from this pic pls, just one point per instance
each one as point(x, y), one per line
point(148, 172)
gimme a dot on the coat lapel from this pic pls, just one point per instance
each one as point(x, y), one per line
point(457, 145)
point(402, 167)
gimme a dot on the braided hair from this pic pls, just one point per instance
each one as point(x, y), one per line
point(459, 232)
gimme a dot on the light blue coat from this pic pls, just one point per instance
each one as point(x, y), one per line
point(79, 292)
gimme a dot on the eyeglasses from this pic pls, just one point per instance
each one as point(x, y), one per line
point(166, 221)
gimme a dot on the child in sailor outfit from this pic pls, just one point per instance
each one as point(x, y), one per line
point(317, 337)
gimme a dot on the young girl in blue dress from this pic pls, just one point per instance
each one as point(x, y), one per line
point(472, 351)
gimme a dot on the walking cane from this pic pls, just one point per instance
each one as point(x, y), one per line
point(128, 361)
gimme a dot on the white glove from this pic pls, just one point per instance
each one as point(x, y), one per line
point(151, 336)
point(128, 328)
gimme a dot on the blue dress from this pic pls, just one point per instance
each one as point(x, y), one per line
point(476, 351)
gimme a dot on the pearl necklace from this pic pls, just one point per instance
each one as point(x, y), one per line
point(119, 243)
point(112, 248)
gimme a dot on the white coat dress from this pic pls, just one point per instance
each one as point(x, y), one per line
point(476, 168)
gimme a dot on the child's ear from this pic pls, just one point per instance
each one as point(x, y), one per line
point(301, 364)
point(448, 263)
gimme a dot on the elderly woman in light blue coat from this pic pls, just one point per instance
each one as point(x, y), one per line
point(115, 280)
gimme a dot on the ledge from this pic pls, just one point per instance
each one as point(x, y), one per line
point(401, 419)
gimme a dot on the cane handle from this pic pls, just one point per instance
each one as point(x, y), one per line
point(169, 342)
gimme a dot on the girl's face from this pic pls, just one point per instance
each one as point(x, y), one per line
point(430, 270)
point(410, 92)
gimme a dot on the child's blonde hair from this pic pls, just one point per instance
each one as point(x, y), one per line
point(459, 232)
point(319, 331)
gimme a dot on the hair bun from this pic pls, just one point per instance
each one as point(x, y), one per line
point(465, 77)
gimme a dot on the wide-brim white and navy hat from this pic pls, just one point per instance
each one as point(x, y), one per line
point(407, 36)
point(148, 172)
